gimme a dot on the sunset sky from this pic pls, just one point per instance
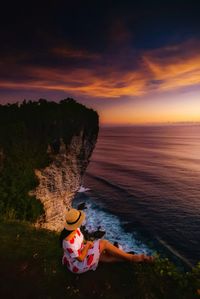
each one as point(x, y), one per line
point(133, 63)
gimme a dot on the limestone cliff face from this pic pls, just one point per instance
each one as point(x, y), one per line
point(59, 182)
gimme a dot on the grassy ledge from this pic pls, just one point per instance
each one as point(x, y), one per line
point(31, 268)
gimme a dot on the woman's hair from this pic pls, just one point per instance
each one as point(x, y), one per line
point(64, 233)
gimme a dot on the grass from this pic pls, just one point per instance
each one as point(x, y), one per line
point(31, 267)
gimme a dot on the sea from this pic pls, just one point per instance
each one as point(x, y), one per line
point(142, 187)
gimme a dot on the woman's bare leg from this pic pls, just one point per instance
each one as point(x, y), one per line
point(108, 258)
point(106, 246)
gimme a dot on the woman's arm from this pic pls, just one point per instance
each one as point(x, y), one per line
point(84, 251)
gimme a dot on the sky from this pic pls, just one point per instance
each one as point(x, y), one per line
point(133, 62)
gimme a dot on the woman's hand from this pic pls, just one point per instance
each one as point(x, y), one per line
point(84, 251)
point(90, 244)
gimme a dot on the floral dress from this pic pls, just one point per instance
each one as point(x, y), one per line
point(72, 249)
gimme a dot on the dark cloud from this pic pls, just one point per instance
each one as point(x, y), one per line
point(92, 25)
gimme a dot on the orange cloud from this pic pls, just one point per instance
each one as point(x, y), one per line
point(81, 81)
point(184, 72)
point(159, 70)
point(176, 66)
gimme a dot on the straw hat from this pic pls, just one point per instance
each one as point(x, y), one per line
point(74, 218)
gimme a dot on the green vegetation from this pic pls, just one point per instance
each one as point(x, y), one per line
point(25, 132)
point(31, 268)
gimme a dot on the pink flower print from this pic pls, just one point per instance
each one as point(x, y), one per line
point(65, 261)
point(90, 259)
point(75, 269)
point(72, 240)
point(69, 250)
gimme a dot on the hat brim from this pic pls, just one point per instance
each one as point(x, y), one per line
point(77, 224)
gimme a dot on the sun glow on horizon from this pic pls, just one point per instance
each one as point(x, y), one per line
point(163, 109)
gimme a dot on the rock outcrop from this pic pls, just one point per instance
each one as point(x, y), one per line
point(59, 182)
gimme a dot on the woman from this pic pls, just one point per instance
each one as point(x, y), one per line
point(80, 255)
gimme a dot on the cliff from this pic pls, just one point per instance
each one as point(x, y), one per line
point(59, 182)
point(45, 150)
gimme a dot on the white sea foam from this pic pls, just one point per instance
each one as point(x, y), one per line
point(96, 217)
point(83, 189)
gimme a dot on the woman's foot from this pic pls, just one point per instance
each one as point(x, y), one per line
point(142, 258)
point(149, 259)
